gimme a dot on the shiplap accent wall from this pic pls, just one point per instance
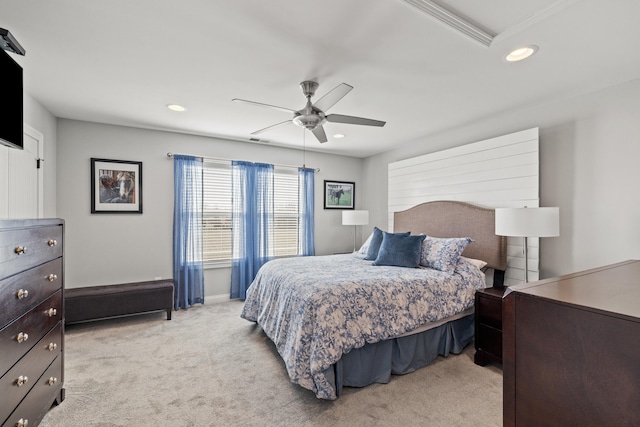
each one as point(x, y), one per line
point(494, 173)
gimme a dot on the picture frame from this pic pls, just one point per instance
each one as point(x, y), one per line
point(116, 186)
point(339, 194)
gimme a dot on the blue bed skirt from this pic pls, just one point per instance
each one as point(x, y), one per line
point(375, 363)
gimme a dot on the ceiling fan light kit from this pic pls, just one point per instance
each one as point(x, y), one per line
point(313, 116)
point(310, 121)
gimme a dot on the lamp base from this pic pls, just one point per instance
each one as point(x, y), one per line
point(354, 237)
point(526, 262)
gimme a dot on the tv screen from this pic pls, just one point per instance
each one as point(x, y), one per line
point(10, 101)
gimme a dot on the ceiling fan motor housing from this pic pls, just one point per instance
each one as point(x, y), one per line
point(309, 117)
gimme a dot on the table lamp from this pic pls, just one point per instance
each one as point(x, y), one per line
point(355, 218)
point(527, 222)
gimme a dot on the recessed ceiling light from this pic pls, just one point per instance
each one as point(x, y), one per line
point(338, 135)
point(521, 53)
point(176, 107)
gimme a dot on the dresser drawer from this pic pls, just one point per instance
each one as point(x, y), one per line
point(40, 398)
point(38, 283)
point(25, 248)
point(31, 367)
point(35, 324)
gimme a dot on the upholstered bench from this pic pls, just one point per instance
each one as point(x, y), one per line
point(103, 302)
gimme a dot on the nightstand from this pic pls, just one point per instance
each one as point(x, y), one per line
point(488, 317)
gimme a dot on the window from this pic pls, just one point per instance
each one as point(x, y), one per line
point(217, 212)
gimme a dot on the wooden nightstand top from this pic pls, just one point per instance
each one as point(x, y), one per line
point(494, 292)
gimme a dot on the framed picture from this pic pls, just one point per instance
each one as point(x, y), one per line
point(339, 195)
point(116, 186)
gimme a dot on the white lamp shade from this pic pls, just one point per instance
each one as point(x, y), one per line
point(355, 217)
point(528, 222)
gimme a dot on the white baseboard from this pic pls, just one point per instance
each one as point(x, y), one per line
point(217, 298)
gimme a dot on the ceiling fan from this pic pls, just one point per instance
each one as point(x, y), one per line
point(313, 116)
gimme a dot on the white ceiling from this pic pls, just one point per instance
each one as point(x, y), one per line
point(120, 62)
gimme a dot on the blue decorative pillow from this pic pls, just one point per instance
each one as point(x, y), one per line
point(400, 250)
point(443, 254)
point(376, 241)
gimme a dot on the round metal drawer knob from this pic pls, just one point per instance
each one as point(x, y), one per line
point(22, 379)
point(22, 337)
point(52, 346)
point(52, 312)
point(22, 293)
point(22, 422)
point(21, 250)
point(52, 380)
point(52, 277)
point(52, 242)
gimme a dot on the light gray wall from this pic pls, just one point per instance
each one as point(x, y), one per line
point(589, 151)
point(119, 248)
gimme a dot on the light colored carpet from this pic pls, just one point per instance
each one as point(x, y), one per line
point(209, 367)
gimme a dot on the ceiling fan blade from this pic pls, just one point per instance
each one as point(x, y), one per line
point(319, 134)
point(351, 120)
point(260, 104)
point(332, 97)
point(271, 127)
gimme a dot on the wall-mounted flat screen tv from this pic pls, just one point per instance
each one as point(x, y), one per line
point(11, 102)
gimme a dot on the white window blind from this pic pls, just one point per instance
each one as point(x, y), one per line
point(217, 212)
point(285, 215)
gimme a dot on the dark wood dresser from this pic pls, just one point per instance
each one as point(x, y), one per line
point(31, 319)
point(571, 354)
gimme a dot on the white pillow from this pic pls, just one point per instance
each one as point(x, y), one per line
point(477, 262)
point(365, 246)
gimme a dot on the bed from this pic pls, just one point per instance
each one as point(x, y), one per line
point(339, 321)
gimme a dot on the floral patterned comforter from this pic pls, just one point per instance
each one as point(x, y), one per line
point(315, 309)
